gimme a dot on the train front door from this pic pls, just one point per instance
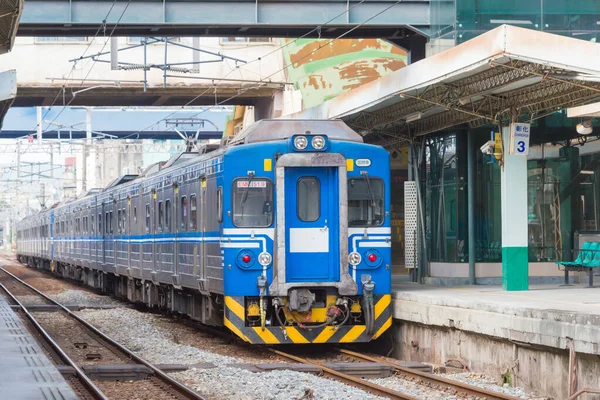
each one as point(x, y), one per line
point(312, 224)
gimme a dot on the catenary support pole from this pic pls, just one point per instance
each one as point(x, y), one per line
point(471, 203)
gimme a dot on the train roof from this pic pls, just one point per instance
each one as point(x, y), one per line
point(276, 129)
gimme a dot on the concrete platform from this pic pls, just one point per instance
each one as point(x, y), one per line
point(526, 333)
point(25, 371)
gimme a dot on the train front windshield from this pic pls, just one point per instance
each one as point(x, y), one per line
point(252, 203)
point(365, 202)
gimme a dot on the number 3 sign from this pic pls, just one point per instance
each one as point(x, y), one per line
point(519, 139)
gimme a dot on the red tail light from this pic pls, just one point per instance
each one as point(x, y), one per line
point(372, 257)
point(246, 258)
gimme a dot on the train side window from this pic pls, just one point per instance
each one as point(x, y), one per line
point(193, 213)
point(119, 221)
point(168, 216)
point(365, 202)
point(93, 225)
point(308, 199)
point(110, 222)
point(100, 224)
point(135, 215)
point(184, 213)
point(161, 216)
point(219, 204)
point(147, 218)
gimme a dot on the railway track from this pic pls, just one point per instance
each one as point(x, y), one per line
point(102, 368)
point(430, 381)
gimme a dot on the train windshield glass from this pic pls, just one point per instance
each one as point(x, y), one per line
point(252, 203)
point(365, 207)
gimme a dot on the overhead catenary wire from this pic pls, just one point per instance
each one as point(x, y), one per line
point(264, 80)
point(262, 57)
point(94, 61)
point(90, 42)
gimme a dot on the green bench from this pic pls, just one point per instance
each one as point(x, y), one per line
point(588, 260)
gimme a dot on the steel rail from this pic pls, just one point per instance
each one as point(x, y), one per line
point(450, 384)
point(357, 382)
point(87, 382)
point(180, 387)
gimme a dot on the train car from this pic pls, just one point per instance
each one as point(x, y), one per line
point(281, 234)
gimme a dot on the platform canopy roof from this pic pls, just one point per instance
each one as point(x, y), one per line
point(10, 12)
point(508, 73)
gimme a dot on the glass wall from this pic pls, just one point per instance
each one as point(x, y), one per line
point(456, 21)
point(488, 217)
point(445, 196)
point(563, 193)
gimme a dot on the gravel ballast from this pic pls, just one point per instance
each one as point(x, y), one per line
point(236, 384)
point(138, 332)
point(489, 383)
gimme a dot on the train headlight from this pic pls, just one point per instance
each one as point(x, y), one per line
point(318, 142)
point(354, 258)
point(264, 259)
point(300, 142)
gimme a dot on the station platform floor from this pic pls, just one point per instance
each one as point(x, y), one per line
point(549, 315)
point(25, 371)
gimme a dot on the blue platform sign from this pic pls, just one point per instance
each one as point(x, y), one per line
point(519, 138)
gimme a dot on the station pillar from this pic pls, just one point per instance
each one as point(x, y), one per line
point(515, 258)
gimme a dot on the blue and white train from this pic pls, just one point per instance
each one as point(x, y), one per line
point(281, 234)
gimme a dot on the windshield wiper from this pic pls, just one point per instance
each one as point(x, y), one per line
point(245, 195)
point(371, 194)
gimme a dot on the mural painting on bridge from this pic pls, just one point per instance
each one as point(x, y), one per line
point(322, 69)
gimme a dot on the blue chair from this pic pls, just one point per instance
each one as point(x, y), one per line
point(582, 254)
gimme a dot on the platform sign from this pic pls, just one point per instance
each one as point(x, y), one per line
point(519, 138)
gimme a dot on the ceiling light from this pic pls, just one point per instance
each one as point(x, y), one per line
point(413, 117)
point(511, 21)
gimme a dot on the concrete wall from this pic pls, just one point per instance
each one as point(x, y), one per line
point(494, 333)
point(448, 274)
point(536, 368)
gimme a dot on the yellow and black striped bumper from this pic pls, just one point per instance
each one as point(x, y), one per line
point(235, 317)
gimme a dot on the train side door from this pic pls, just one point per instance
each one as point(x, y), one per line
point(203, 228)
point(176, 227)
point(311, 224)
point(103, 228)
point(129, 218)
point(153, 228)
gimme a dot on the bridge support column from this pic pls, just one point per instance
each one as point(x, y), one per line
point(515, 257)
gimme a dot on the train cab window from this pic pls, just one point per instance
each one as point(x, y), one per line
point(161, 216)
point(147, 218)
point(193, 213)
point(168, 216)
point(184, 213)
point(308, 200)
point(252, 203)
point(365, 202)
